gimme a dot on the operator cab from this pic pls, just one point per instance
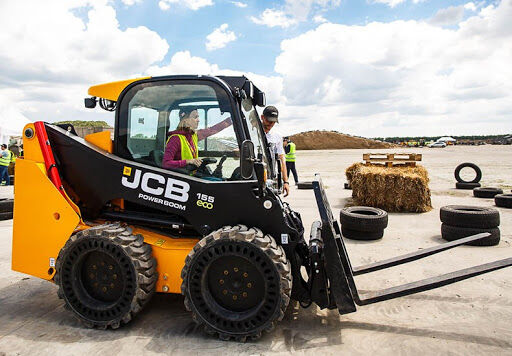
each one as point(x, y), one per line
point(148, 114)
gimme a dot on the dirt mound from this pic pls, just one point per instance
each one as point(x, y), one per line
point(324, 140)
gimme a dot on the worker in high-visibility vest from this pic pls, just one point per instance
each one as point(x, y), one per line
point(6, 157)
point(289, 148)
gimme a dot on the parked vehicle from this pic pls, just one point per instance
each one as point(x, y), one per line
point(437, 144)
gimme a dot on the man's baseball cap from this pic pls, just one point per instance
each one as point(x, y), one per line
point(271, 113)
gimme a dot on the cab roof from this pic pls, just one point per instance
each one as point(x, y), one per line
point(112, 90)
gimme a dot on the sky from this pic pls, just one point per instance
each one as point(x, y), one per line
point(372, 68)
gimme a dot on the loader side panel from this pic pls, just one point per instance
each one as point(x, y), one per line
point(43, 221)
point(170, 254)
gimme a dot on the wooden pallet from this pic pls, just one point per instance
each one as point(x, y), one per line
point(392, 159)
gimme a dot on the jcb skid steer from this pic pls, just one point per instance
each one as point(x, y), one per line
point(105, 222)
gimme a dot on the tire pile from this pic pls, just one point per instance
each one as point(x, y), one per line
point(363, 223)
point(503, 200)
point(459, 221)
point(486, 192)
point(6, 209)
point(463, 184)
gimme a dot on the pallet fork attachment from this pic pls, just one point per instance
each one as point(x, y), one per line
point(340, 273)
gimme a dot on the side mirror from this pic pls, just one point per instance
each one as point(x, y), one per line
point(259, 99)
point(90, 103)
point(247, 159)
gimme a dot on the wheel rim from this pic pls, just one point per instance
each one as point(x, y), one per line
point(97, 260)
point(101, 277)
point(222, 304)
point(235, 283)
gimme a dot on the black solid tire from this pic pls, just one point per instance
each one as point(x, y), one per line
point(128, 255)
point(462, 185)
point(6, 205)
point(347, 186)
point(503, 200)
point(362, 235)
point(363, 218)
point(305, 185)
point(470, 216)
point(11, 179)
point(270, 265)
point(451, 233)
point(486, 192)
point(478, 172)
point(6, 216)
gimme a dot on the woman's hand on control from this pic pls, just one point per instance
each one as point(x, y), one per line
point(195, 161)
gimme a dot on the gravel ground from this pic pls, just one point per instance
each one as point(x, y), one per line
point(470, 317)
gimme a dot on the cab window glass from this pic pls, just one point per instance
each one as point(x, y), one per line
point(153, 117)
point(143, 131)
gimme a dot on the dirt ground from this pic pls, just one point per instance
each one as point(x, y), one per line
point(467, 318)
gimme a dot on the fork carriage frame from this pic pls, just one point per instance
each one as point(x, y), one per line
point(332, 275)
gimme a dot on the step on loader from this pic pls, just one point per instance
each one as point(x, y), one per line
point(110, 220)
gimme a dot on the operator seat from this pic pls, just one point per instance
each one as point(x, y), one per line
point(157, 156)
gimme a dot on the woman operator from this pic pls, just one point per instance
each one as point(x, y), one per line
point(181, 148)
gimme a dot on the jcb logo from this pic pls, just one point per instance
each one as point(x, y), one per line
point(156, 184)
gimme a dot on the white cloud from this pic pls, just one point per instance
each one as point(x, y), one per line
point(219, 38)
point(191, 4)
point(300, 9)
point(319, 19)
point(402, 77)
point(393, 3)
point(131, 2)
point(294, 11)
point(184, 63)
point(239, 4)
point(48, 65)
point(450, 16)
point(274, 18)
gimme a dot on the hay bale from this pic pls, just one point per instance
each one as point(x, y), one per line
point(394, 189)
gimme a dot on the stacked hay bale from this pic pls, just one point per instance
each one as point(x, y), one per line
point(394, 189)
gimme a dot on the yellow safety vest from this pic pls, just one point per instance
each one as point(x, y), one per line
point(290, 156)
point(5, 161)
point(187, 152)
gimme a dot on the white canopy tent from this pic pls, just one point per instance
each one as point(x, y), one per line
point(11, 123)
point(447, 139)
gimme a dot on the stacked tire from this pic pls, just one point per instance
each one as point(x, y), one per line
point(486, 192)
point(467, 184)
point(503, 200)
point(459, 221)
point(363, 223)
point(6, 209)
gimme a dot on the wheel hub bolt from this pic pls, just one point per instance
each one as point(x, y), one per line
point(226, 272)
point(235, 269)
point(114, 276)
point(111, 267)
point(112, 285)
point(224, 292)
point(94, 267)
point(249, 285)
point(104, 289)
point(246, 274)
point(235, 297)
point(244, 294)
point(221, 281)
